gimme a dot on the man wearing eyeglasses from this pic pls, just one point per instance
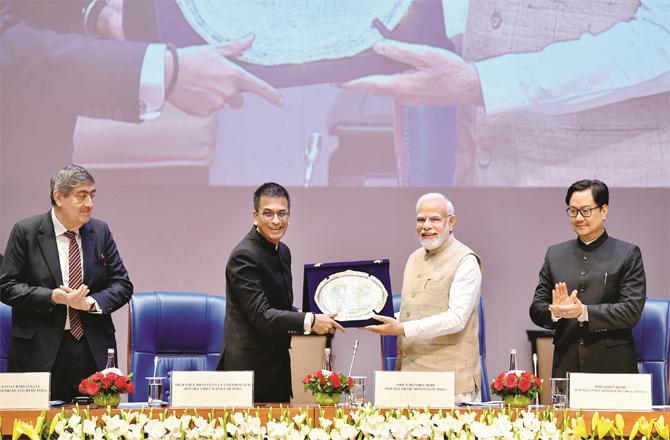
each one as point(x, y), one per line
point(260, 317)
point(591, 290)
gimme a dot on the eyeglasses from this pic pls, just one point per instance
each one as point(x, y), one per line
point(269, 215)
point(585, 212)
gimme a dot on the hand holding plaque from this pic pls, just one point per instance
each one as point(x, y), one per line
point(355, 292)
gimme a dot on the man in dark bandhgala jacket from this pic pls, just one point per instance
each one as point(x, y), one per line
point(260, 317)
point(606, 281)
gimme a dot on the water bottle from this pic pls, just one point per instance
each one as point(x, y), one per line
point(512, 359)
point(327, 363)
point(111, 360)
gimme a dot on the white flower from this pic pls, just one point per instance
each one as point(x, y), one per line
point(231, 429)
point(219, 433)
point(294, 434)
point(154, 429)
point(90, 425)
point(348, 432)
point(173, 425)
point(298, 419)
point(372, 425)
point(325, 423)
point(318, 434)
point(134, 432)
point(73, 423)
point(277, 430)
point(60, 427)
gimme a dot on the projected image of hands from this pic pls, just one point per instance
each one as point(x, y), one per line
point(400, 93)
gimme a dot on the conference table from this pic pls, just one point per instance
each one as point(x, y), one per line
point(313, 411)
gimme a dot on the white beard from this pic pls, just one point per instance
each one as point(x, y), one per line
point(434, 243)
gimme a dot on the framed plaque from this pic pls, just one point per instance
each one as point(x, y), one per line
point(354, 290)
point(296, 42)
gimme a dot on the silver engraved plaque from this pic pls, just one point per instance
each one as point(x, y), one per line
point(294, 31)
point(353, 295)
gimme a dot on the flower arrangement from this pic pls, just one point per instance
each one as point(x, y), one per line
point(366, 422)
point(327, 382)
point(518, 385)
point(106, 385)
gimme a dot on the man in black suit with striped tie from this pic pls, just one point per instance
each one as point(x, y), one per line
point(63, 277)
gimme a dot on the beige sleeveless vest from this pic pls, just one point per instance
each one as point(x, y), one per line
point(425, 292)
point(626, 143)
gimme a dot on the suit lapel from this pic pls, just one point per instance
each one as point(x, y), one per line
point(88, 247)
point(47, 239)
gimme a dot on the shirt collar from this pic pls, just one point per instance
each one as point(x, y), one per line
point(59, 229)
point(264, 240)
point(593, 244)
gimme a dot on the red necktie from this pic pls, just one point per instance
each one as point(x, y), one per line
point(75, 272)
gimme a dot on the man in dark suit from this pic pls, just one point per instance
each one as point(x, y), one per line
point(63, 277)
point(606, 276)
point(260, 317)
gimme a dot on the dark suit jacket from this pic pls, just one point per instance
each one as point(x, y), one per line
point(609, 277)
point(260, 317)
point(29, 273)
point(52, 73)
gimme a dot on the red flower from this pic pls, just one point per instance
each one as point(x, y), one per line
point(97, 376)
point(106, 383)
point(498, 384)
point(525, 384)
point(91, 388)
point(121, 382)
point(335, 380)
point(322, 380)
point(501, 376)
point(538, 382)
point(526, 375)
point(130, 387)
point(112, 376)
point(82, 388)
point(350, 382)
point(319, 374)
point(510, 380)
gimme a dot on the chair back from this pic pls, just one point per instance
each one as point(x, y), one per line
point(652, 343)
point(5, 334)
point(184, 329)
point(390, 348)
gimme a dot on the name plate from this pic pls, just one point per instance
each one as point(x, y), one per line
point(414, 389)
point(24, 390)
point(195, 389)
point(610, 391)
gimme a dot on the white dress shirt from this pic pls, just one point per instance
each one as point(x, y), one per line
point(631, 59)
point(63, 244)
point(463, 297)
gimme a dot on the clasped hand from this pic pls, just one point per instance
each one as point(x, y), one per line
point(75, 298)
point(564, 305)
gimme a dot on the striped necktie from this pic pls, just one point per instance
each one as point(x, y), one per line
point(75, 273)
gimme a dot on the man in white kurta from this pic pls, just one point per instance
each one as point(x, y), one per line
point(438, 326)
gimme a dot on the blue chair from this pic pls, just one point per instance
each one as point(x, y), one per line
point(184, 329)
point(652, 343)
point(5, 335)
point(390, 348)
